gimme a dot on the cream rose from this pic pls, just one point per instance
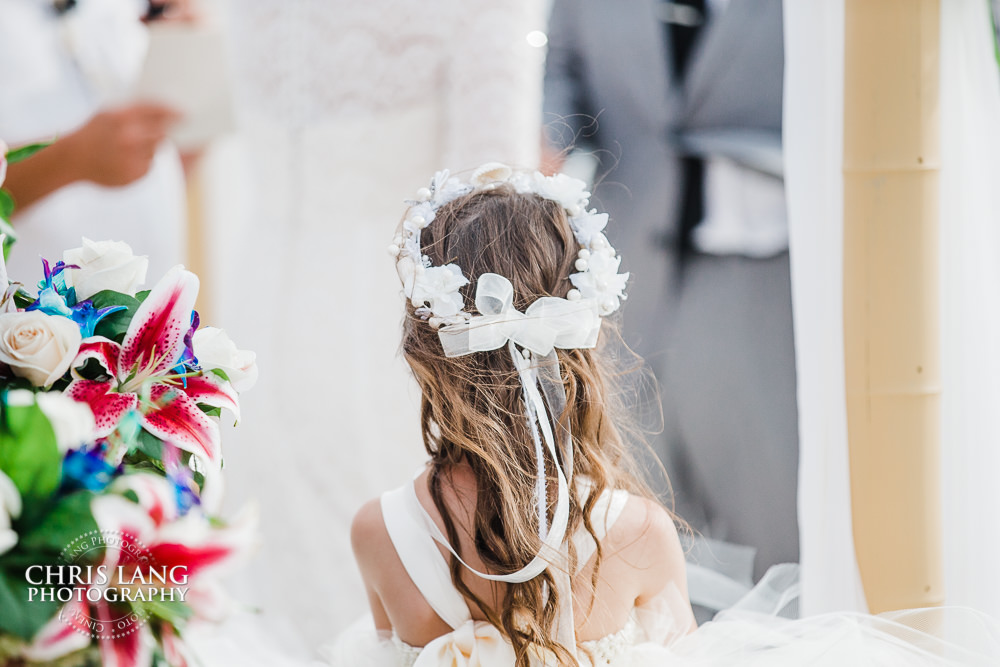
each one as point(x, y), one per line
point(215, 350)
point(104, 265)
point(37, 346)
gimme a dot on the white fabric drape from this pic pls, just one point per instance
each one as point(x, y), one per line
point(970, 261)
point(970, 283)
point(813, 143)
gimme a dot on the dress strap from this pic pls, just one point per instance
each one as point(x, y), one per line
point(606, 511)
point(420, 556)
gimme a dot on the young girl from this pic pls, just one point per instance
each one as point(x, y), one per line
point(527, 539)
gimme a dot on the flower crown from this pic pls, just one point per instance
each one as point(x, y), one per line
point(598, 288)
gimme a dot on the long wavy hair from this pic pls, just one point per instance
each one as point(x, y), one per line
point(472, 410)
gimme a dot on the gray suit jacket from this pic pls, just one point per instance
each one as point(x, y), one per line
point(608, 85)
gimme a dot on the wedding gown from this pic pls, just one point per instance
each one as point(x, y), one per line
point(751, 633)
point(346, 109)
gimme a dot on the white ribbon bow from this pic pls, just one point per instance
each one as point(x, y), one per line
point(548, 323)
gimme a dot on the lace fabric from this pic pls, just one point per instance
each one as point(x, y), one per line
point(306, 62)
point(599, 652)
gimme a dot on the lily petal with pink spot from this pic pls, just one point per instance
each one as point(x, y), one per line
point(108, 407)
point(209, 389)
point(177, 419)
point(155, 337)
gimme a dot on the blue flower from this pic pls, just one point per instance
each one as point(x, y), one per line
point(87, 317)
point(86, 470)
point(54, 298)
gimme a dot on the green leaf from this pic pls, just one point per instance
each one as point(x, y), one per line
point(24, 152)
point(92, 369)
point(114, 325)
point(69, 519)
point(21, 617)
point(29, 454)
point(174, 612)
point(221, 373)
point(150, 445)
point(210, 411)
point(6, 204)
point(22, 299)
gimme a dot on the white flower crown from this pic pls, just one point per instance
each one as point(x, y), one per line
point(434, 290)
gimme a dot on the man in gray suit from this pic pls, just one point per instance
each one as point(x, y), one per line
point(682, 104)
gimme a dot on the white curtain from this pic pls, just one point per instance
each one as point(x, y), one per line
point(970, 247)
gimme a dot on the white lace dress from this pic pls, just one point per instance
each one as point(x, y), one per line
point(347, 108)
point(655, 635)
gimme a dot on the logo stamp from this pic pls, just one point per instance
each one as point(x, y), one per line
point(107, 581)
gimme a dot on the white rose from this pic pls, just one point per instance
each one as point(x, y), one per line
point(72, 422)
point(10, 508)
point(104, 265)
point(37, 346)
point(215, 350)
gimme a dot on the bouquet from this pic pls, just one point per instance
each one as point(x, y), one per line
point(110, 462)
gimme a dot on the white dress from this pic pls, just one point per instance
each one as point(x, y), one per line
point(346, 109)
point(55, 73)
point(751, 633)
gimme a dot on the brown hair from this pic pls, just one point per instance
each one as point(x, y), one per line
point(472, 410)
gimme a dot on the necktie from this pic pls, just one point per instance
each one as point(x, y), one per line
point(683, 21)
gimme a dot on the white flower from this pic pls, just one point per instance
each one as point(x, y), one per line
point(588, 225)
point(72, 422)
point(570, 192)
point(37, 346)
point(447, 188)
point(523, 182)
point(437, 287)
point(104, 265)
point(215, 350)
point(602, 282)
point(491, 172)
point(10, 508)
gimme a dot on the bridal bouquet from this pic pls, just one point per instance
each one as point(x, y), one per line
point(110, 460)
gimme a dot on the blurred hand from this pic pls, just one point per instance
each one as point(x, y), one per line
point(117, 147)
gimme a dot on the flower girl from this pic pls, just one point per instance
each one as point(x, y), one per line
point(528, 539)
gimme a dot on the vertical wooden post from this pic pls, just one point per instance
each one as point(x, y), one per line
point(891, 303)
point(197, 241)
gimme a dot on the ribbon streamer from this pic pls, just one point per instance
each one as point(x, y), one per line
point(547, 324)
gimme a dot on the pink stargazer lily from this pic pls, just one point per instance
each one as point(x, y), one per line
point(142, 374)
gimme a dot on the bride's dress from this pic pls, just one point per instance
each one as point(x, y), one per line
point(751, 633)
point(346, 108)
